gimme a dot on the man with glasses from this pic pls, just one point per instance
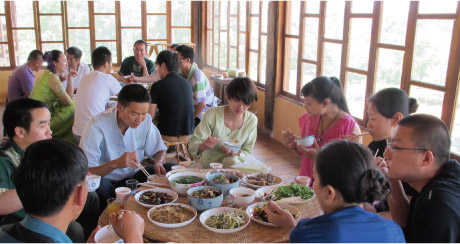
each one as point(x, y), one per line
point(418, 153)
point(137, 65)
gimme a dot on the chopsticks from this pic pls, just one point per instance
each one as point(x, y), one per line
point(144, 170)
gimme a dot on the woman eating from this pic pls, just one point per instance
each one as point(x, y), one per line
point(327, 119)
point(346, 177)
point(49, 90)
point(230, 123)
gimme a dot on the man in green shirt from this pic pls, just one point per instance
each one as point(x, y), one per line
point(27, 121)
point(137, 65)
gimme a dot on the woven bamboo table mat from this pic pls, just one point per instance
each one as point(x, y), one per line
point(196, 232)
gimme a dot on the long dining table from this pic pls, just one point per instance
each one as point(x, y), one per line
point(196, 232)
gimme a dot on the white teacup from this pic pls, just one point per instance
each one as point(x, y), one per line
point(122, 192)
point(216, 165)
point(93, 182)
point(303, 180)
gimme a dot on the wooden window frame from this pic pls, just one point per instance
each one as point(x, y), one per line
point(93, 42)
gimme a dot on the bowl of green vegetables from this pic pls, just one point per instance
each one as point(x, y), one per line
point(181, 182)
point(275, 193)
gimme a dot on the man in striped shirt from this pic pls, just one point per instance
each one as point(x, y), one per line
point(203, 93)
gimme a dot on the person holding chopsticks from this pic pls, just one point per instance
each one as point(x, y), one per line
point(117, 140)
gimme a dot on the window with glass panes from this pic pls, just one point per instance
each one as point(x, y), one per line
point(370, 46)
point(4, 48)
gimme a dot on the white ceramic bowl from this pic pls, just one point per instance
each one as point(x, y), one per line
point(215, 166)
point(303, 180)
point(305, 141)
point(172, 225)
point(238, 199)
point(182, 188)
point(217, 211)
point(289, 208)
point(232, 147)
point(177, 167)
point(93, 182)
point(277, 181)
point(175, 171)
point(167, 191)
point(231, 171)
point(104, 235)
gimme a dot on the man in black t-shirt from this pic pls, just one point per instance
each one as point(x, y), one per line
point(418, 153)
point(172, 95)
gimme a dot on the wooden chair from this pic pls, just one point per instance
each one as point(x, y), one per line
point(185, 155)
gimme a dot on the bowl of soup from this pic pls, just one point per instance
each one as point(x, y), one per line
point(181, 182)
point(242, 196)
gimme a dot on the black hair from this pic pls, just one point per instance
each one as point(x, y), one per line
point(17, 113)
point(50, 57)
point(173, 45)
point(431, 133)
point(242, 89)
point(34, 56)
point(389, 101)
point(350, 168)
point(140, 41)
point(48, 174)
point(170, 58)
point(75, 51)
point(133, 93)
point(323, 87)
point(100, 56)
point(186, 52)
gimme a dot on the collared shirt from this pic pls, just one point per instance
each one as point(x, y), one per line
point(102, 142)
point(202, 89)
point(130, 65)
point(41, 231)
point(92, 96)
point(20, 82)
point(10, 157)
point(82, 70)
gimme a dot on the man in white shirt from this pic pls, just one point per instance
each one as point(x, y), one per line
point(74, 63)
point(117, 140)
point(95, 90)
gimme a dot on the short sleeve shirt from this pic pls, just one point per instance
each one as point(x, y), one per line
point(130, 65)
point(202, 89)
point(102, 142)
point(83, 69)
point(20, 82)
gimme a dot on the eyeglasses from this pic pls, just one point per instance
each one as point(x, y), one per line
point(392, 147)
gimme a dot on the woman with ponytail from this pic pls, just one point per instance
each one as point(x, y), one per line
point(346, 178)
point(327, 119)
point(49, 90)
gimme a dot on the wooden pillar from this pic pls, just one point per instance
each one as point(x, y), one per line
point(198, 30)
point(272, 64)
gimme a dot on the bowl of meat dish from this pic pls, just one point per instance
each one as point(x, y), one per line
point(181, 182)
point(259, 180)
point(224, 181)
point(224, 220)
point(157, 196)
point(257, 212)
point(205, 197)
point(172, 215)
point(230, 171)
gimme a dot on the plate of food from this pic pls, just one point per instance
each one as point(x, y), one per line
point(275, 193)
point(230, 171)
point(172, 215)
point(259, 180)
point(257, 212)
point(224, 220)
point(155, 196)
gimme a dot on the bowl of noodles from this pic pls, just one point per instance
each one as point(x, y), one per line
point(224, 220)
point(172, 215)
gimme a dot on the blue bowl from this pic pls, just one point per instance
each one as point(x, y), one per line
point(225, 187)
point(202, 204)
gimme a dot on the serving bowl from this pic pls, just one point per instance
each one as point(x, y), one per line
point(252, 208)
point(175, 225)
point(175, 171)
point(217, 211)
point(182, 188)
point(305, 141)
point(242, 196)
point(225, 187)
point(276, 180)
point(202, 204)
point(172, 193)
